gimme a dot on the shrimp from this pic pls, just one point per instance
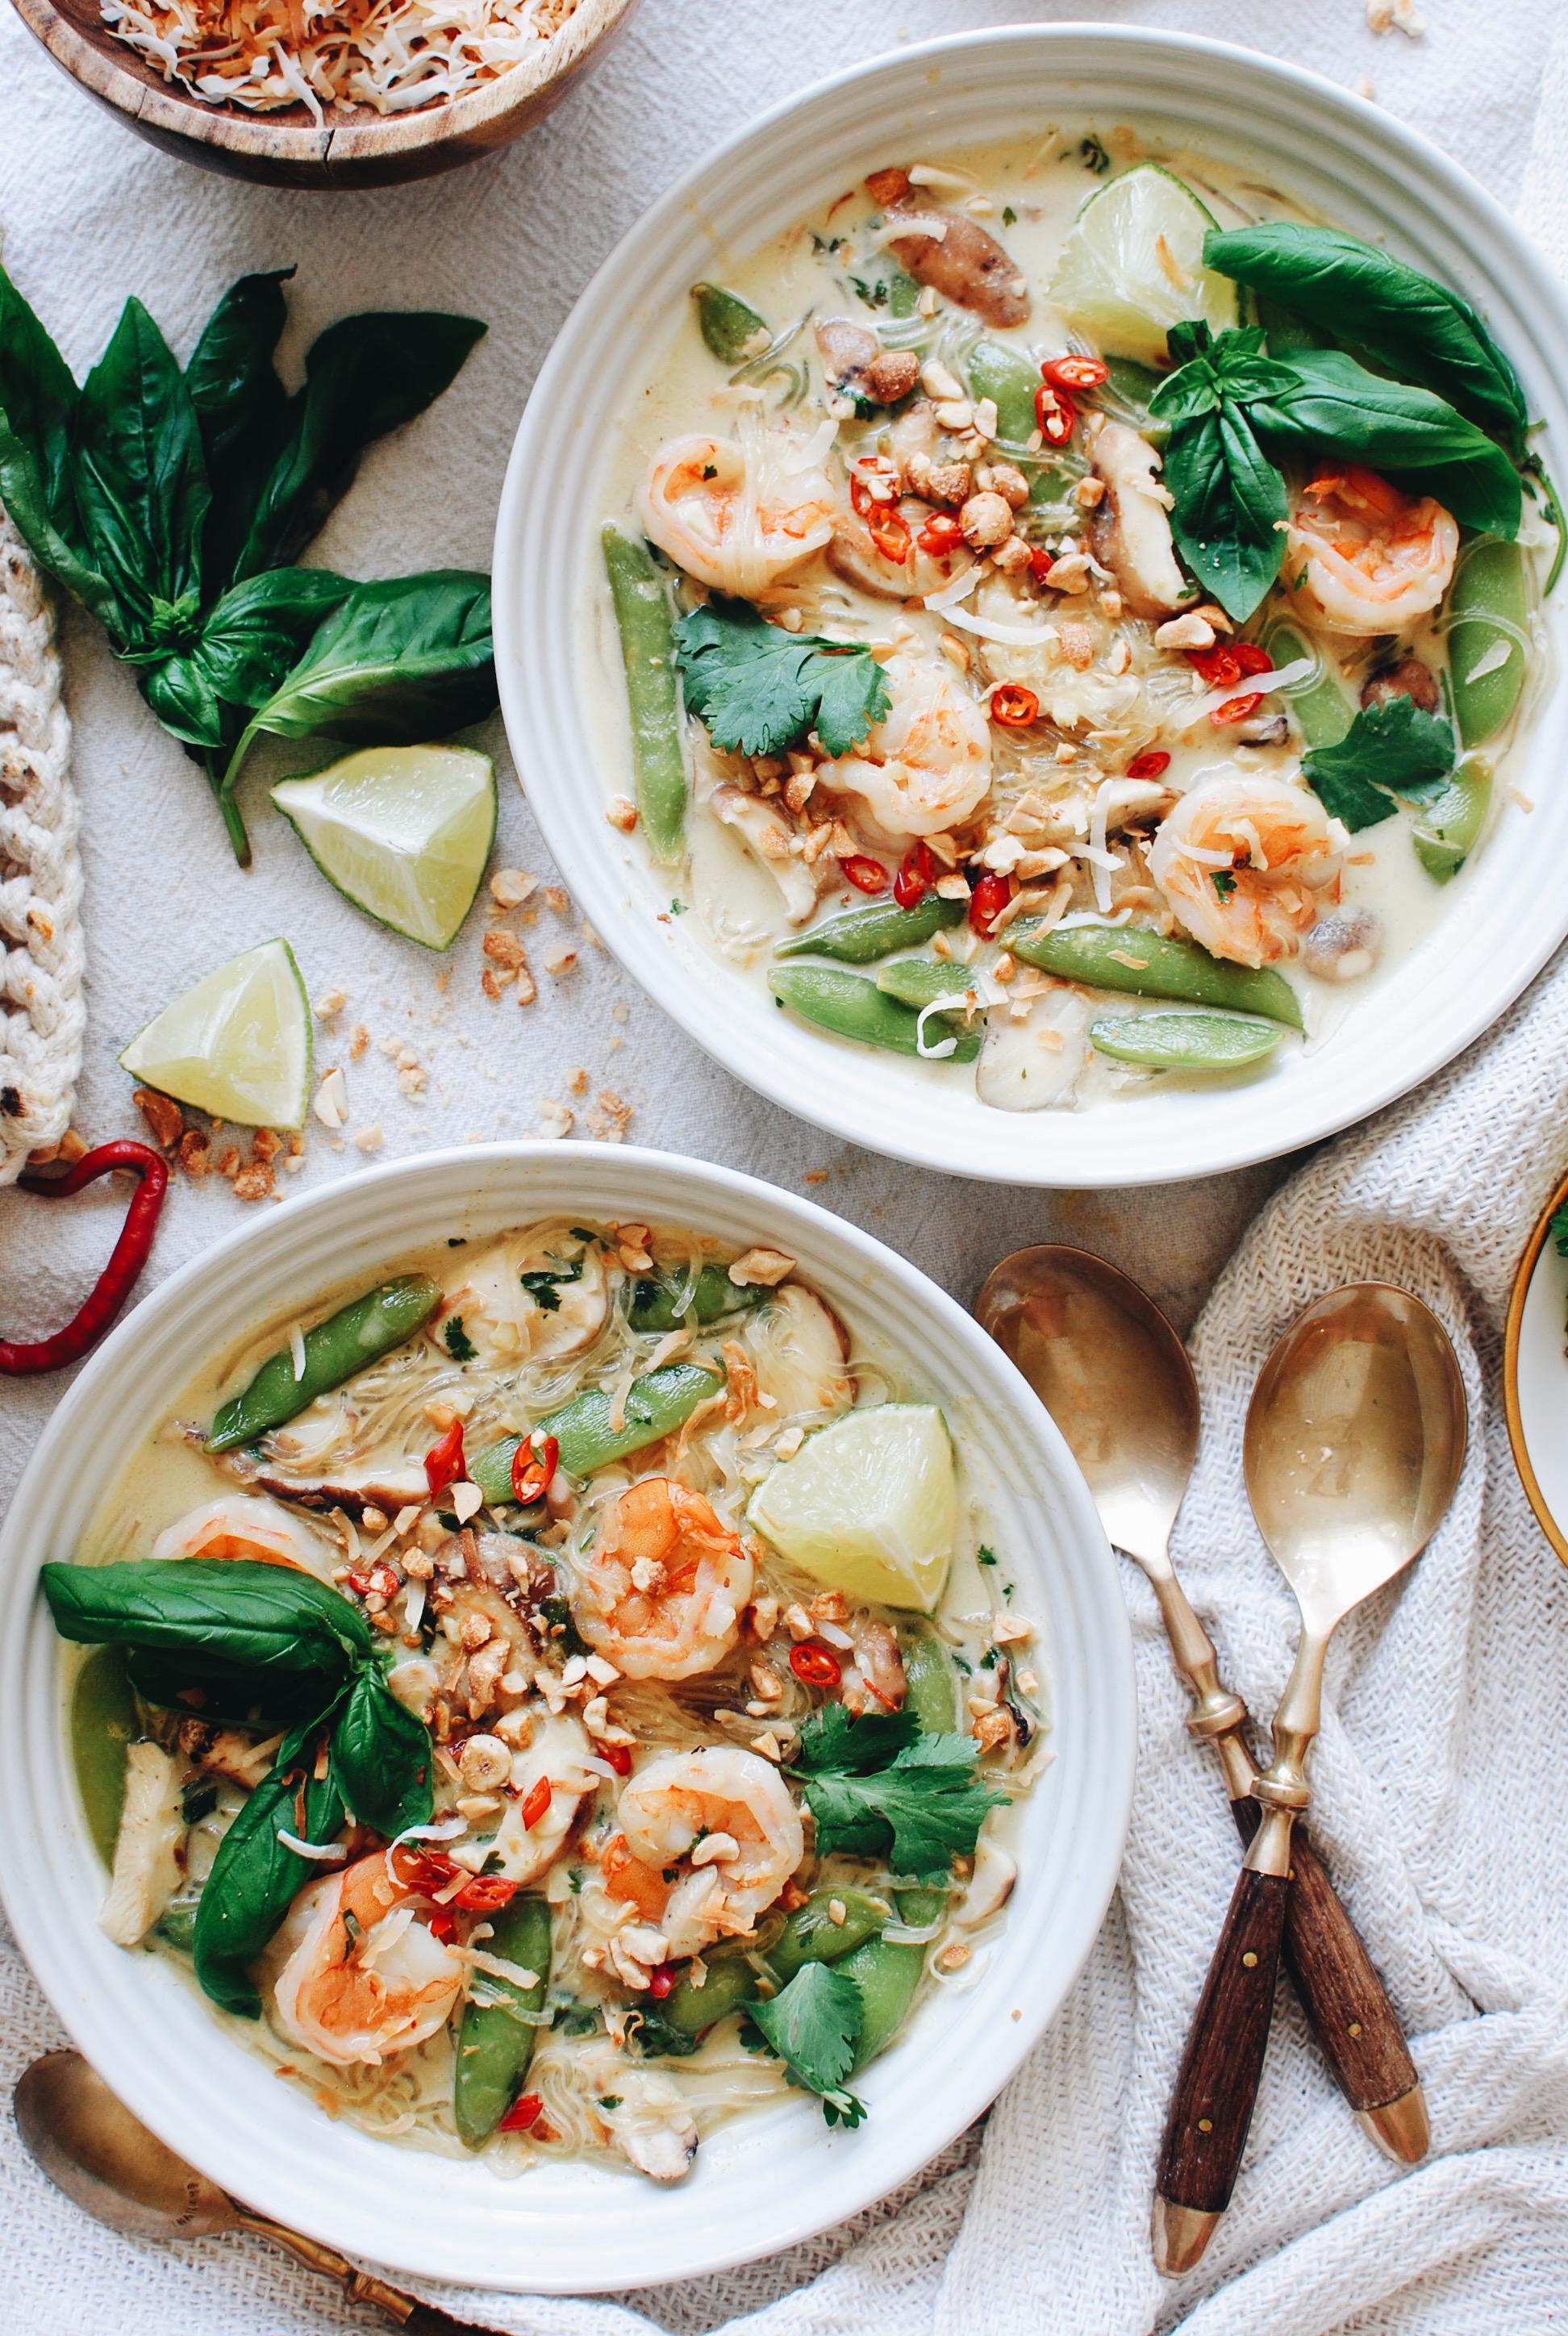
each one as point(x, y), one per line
point(927, 762)
point(1369, 558)
point(364, 1975)
point(731, 1813)
point(249, 1525)
point(524, 1300)
point(559, 1755)
point(660, 1594)
point(738, 514)
point(1246, 863)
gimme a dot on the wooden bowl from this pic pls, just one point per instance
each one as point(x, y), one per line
point(286, 149)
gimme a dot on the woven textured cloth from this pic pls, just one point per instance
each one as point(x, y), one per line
point(1437, 1777)
point(42, 1012)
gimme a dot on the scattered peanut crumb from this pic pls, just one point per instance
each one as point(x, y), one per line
point(255, 1181)
point(622, 814)
point(330, 1002)
point(576, 1081)
point(560, 961)
point(331, 1104)
point(556, 1120)
point(504, 949)
point(369, 1139)
point(609, 1116)
point(766, 1268)
point(953, 1958)
point(195, 1152)
point(509, 887)
point(165, 1120)
point(358, 1040)
point(555, 898)
point(620, 1011)
point(1395, 15)
point(817, 1175)
point(227, 1164)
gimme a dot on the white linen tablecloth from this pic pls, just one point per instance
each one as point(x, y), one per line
point(1441, 1776)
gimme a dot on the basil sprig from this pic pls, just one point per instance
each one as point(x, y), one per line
point(1236, 412)
point(236, 1641)
point(172, 504)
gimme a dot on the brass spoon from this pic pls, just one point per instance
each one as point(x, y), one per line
point(1115, 1376)
point(91, 2147)
point(1355, 1441)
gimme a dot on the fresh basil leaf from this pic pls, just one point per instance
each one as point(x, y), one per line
point(231, 1612)
point(814, 2025)
point(380, 1758)
point(399, 661)
point(1391, 749)
point(1338, 408)
point(833, 1739)
point(762, 689)
point(255, 1877)
point(1403, 318)
point(248, 646)
point(364, 376)
point(243, 409)
point(1229, 502)
point(198, 1687)
point(38, 402)
point(924, 1810)
point(141, 484)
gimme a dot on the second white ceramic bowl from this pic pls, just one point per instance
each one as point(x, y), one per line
point(1358, 167)
point(770, 2179)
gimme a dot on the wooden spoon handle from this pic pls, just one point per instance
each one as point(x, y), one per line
point(1211, 2108)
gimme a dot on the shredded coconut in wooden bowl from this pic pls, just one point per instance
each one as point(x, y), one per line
point(392, 56)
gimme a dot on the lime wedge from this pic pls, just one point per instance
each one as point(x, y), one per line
point(237, 1045)
point(869, 1506)
point(1133, 265)
point(403, 832)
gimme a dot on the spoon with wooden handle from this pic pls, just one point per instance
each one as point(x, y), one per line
point(91, 2147)
point(1355, 1440)
point(1115, 1378)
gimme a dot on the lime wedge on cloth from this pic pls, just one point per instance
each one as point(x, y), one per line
point(403, 832)
point(1133, 265)
point(869, 1506)
point(237, 1045)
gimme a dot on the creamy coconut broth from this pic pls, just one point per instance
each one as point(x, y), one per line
point(636, 1591)
point(1081, 848)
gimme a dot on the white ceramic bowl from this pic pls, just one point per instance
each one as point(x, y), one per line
point(1361, 169)
point(769, 2179)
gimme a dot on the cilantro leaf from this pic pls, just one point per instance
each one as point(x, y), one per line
point(762, 690)
point(923, 1810)
point(814, 2025)
point(1392, 749)
point(541, 1286)
point(831, 1739)
point(458, 1343)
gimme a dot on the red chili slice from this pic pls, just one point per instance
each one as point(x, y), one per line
point(1075, 373)
point(1013, 705)
point(1237, 709)
point(1150, 765)
point(815, 1665)
point(865, 875)
point(537, 1804)
point(889, 530)
point(940, 534)
point(443, 1463)
point(619, 1757)
point(915, 877)
point(1055, 417)
point(662, 1982)
point(486, 1893)
point(442, 1924)
point(532, 1466)
point(1041, 564)
point(1229, 662)
point(523, 2116)
point(987, 901)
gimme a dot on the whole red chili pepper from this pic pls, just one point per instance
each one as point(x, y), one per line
point(114, 1285)
point(1076, 373)
point(865, 875)
point(1056, 416)
point(1013, 705)
point(443, 1463)
point(940, 534)
point(915, 877)
point(987, 901)
point(532, 1466)
point(815, 1665)
point(1150, 765)
point(523, 2116)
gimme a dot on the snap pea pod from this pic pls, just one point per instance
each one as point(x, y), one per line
point(920, 980)
point(690, 2010)
point(862, 935)
point(887, 1973)
point(494, 2046)
point(1006, 377)
point(930, 1683)
point(655, 1404)
point(851, 1006)
point(1153, 965)
point(1125, 398)
point(1184, 1041)
point(1322, 710)
point(903, 294)
point(646, 626)
point(102, 1724)
point(1488, 610)
point(729, 324)
point(1445, 834)
point(810, 1935)
point(713, 1295)
point(334, 1350)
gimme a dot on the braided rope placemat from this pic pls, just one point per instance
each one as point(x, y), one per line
point(42, 1011)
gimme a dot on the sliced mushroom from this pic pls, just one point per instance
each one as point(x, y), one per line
point(146, 1861)
point(1408, 678)
point(846, 350)
point(1343, 947)
point(768, 834)
point(990, 1885)
point(1033, 1065)
point(956, 255)
point(1130, 531)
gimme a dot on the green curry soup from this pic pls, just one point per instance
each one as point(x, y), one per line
point(558, 1700)
point(1068, 547)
